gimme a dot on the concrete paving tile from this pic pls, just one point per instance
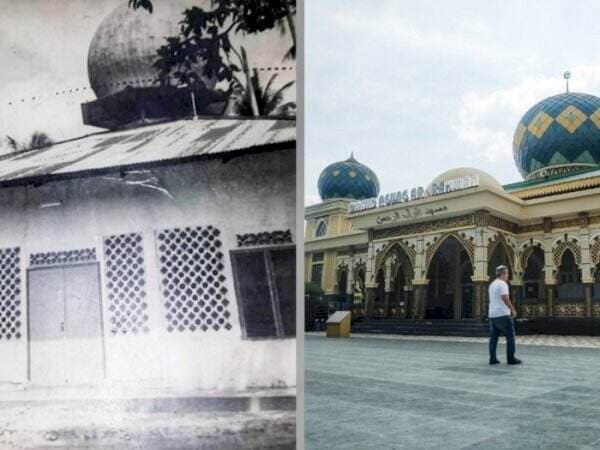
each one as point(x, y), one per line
point(422, 394)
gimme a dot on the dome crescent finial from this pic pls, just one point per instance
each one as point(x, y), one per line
point(566, 76)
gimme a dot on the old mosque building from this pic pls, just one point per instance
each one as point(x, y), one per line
point(159, 252)
point(430, 253)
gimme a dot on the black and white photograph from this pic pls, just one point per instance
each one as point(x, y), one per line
point(148, 224)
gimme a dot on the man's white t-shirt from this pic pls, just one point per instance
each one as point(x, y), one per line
point(498, 308)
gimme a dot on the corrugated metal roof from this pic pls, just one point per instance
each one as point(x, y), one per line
point(164, 142)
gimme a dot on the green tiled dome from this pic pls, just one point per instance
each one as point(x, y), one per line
point(348, 179)
point(559, 134)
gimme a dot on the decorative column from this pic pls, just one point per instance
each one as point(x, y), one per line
point(329, 272)
point(458, 293)
point(388, 286)
point(370, 285)
point(586, 262)
point(350, 285)
point(480, 299)
point(408, 302)
point(587, 291)
point(516, 287)
point(480, 277)
point(419, 292)
point(549, 299)
point(549, 267)
point(419, 283)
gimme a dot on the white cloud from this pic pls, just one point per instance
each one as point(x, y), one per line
point(390, 29)
point(487, 120)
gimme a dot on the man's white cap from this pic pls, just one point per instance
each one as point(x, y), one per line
point(501, 269)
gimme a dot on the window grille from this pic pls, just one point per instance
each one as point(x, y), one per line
point(126, 283)
point(191, 270)
point(10, 293)
point(62, 257)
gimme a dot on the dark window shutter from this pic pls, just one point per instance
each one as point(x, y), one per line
point(284, 269)
point(254, 296)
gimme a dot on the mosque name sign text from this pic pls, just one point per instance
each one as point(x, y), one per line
point(443, 187)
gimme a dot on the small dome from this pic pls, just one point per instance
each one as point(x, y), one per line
point(348, 179)
point(485, 179)
point(559, 134)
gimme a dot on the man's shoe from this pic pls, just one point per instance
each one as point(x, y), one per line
point(494, 361)
point(514, 361)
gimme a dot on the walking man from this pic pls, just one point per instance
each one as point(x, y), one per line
point(501, 314)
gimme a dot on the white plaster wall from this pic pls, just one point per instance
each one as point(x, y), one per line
point(253, 193)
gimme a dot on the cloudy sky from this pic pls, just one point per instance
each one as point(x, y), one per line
point(416, 88)
point(43, 45)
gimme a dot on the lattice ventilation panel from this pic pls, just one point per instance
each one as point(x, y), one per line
point(191, 264)
point(10, 293)
point(126, 283)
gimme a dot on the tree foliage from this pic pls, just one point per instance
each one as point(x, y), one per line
point(313, 289)
point(37, 140)
point(269, 102)
point(205, 39)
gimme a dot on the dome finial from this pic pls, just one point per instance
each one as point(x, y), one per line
point(566, 76)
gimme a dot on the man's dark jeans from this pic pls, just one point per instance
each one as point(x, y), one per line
point(502, 325)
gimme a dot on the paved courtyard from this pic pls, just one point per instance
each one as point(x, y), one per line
point(419, 393)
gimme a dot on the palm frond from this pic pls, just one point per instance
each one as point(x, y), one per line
point(12, 143)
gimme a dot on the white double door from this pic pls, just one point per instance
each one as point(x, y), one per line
point(65, 325)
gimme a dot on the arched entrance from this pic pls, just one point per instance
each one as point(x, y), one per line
point(568, 278)
point(342, 288)
point(399, 302)
point(596, 287)
point(534, 291)
point(343, 282)
point(393, 299)
point(498, 257)
point(358, 290)
point(449, 275)
point(379, 301)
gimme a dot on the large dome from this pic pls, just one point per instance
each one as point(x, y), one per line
point(123, 50)
point(348, 179)
point(559, 134)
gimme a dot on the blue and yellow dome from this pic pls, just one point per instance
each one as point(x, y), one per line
point(559, 134)
point(348, 179)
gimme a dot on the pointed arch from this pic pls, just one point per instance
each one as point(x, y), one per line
point(559, 248)
point(321, 228)
point(342, 278)
point(449, 271)
point(500, 240)
point(568, 276)
point(595, 249)
point(398, 248)
point(533, 277)
point(525, 251)
point(432, 249)
point(499, 253)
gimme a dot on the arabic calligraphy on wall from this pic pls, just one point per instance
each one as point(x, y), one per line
point(409, 213)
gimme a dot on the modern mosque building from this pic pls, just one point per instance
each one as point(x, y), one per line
point(429, 253)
